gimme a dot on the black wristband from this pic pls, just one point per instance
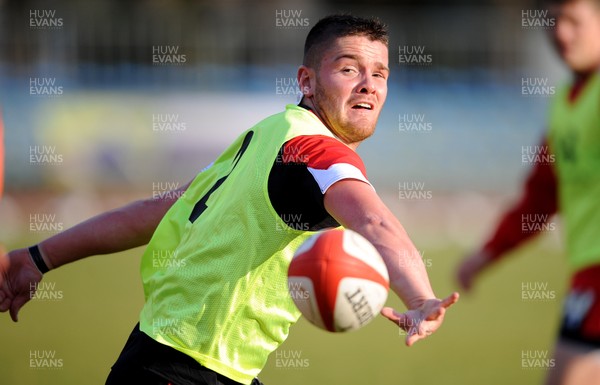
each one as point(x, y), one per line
point(36, 256)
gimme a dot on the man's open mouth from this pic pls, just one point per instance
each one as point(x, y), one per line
point(366, 106)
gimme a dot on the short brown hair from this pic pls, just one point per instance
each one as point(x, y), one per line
point(335, 26)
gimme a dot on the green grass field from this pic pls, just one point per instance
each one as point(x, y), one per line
point(480, 342)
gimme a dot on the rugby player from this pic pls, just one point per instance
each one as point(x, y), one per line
point(569, 185)
point(232, 233)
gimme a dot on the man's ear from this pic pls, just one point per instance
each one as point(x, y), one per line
point(306, 81)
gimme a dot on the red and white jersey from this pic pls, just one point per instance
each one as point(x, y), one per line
point(303, 171)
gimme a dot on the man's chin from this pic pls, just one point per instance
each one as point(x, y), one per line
point(361, 132)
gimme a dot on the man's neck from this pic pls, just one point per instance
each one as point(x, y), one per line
point(307, 104)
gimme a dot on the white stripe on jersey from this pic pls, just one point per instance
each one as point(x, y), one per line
point(335, 173)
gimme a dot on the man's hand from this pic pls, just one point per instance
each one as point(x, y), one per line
point(356, 206)
point(18, 274)
point(423, 321)
point(470, 268)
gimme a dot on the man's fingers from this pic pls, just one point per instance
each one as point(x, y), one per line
point(16, 305)
point(463, 278)
point(404, 321)
point(14, 314)
point(416, 327)
point(6, 298)
point(391, 314)
point(412, 338)
point(4, 304)
point(400, 319)
point(444, 304)
point(419, 332)
point(439, 309)
point(409, 323)
point(436, 313)
point(450, 300)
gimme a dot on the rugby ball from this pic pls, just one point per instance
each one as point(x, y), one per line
point(338, 280)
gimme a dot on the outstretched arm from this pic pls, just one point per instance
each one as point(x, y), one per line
point(539, 201)
point(356, 206)
point(116, 230)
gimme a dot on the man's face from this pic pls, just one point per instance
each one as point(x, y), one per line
point(349, 88)
point(577, 35)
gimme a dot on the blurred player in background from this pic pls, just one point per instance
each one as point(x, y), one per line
point(571, 186)
point(215, 261)
point(2, 249)
point(1, 155)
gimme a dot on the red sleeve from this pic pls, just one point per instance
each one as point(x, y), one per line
point(327, 159)
point(321, 152)
point(537, 204)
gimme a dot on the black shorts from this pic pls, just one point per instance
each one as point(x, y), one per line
point(145, 361)
point(581, 311)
